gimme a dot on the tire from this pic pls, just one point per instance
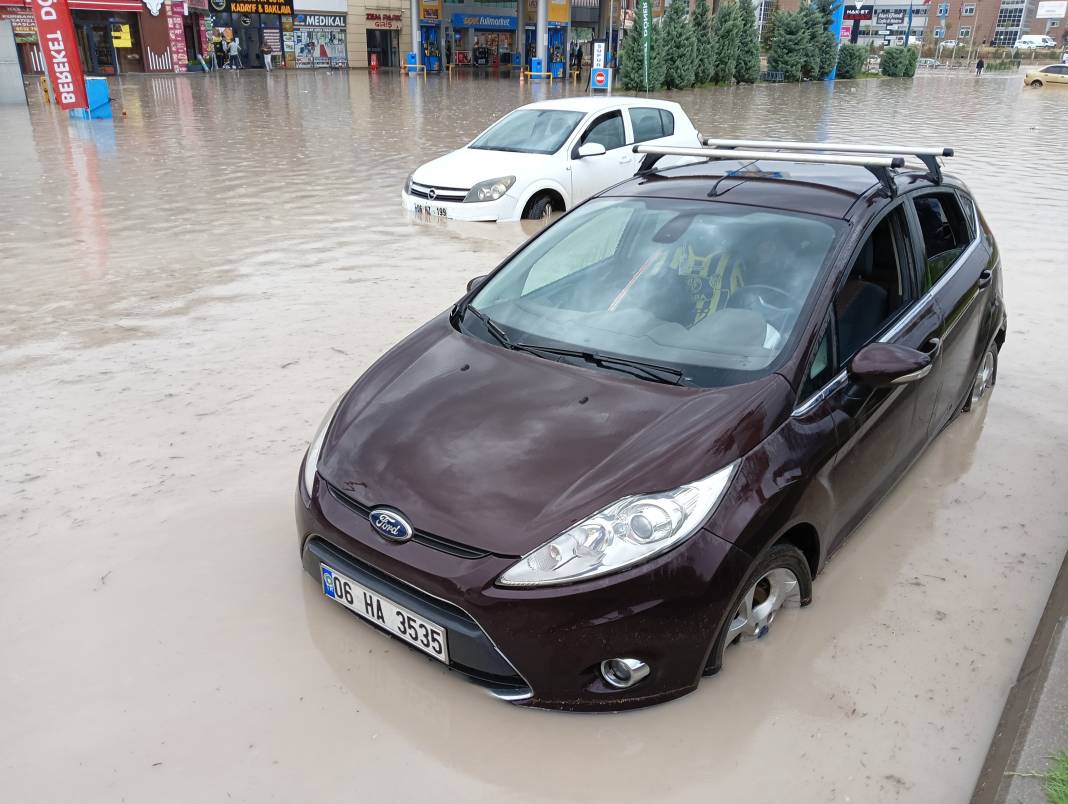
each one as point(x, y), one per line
point(1036, 84)
point(778, 558)
point(985, 378)
point(540, 208)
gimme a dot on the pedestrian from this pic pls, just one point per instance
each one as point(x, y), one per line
point(979, 65)
point(267, 51)
point(235, 53)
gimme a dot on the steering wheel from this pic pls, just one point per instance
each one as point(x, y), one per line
point(775, 305)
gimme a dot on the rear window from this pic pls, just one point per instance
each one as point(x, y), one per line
point(946, 233)
point(650, 124)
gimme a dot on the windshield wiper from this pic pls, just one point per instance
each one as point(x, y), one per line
point(492, 327)
point(651, 371)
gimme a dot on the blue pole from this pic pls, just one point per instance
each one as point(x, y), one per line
point(836, 28)
point(908, 26)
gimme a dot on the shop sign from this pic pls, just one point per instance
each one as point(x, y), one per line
point(858, 11)
point(430, 9)
point(320, 20)
point(485, 21)
point(388, 21)
point(887, 18)
point(284, 7)
point(55, 29)
point(1051, 10)
point(120, 35)
point(21, 20)
point(559, 11)
point(197, 5)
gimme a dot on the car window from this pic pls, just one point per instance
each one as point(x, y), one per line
point(945, 232)
point(606, 130)
point(647, 124)
point(580, 249)
point(532, 131)
point(968, 206)
point(667, 121)
point(875, 288)
point(821, 369)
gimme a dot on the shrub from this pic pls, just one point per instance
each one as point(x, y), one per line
point(680, 49)
point(726, 27)
point(893, 61)
point(702, 34)
point(851, 59)
point(911, 59)
point(747, 65)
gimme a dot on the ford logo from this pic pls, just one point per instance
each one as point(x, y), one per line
point(390, 524)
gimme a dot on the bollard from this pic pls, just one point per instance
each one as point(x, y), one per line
point(45, 92)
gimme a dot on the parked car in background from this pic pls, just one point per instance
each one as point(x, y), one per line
point(545, 157)
point(929, 64)
point(1051, 74)
point(624, 451)
point(1035, 42)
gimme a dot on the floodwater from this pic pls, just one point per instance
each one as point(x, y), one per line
point(185, 290)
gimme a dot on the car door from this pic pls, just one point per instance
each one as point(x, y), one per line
point(879, 430)
point(1058, 74)
point(591, 174)
point(957, 272)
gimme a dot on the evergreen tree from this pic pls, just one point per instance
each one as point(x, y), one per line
point(851, 59)
point(632, 59)
point(912, 58)
point(812, 20)
point(726, 27)
point(747, 65)
point(680, 48)
point(702, 34)
point(657, 65)
point(789, 45)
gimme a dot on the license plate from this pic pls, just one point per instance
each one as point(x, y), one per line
point(396, 619)
point(425, 211)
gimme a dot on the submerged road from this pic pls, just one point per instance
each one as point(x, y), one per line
point(184, 291)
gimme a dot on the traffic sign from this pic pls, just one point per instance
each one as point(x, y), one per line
point(601, 77)
point(598, 54)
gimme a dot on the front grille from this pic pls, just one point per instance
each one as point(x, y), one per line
point(420, 536)
point(440, 193)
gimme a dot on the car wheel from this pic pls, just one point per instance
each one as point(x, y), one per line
point(540, 209)
point(985, 377)
point(781, 579)
point(1036, 84)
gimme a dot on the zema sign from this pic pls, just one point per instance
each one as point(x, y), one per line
point(55, 32)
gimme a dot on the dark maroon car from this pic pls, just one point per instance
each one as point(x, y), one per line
point(628, 447)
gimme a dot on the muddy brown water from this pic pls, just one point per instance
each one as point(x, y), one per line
point(184, 291)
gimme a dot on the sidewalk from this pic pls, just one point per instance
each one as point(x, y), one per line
point(1034, 723)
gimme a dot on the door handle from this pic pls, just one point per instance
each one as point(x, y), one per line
point(933, 348)
point(984, 279)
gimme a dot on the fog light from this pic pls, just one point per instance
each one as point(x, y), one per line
point(623, 673)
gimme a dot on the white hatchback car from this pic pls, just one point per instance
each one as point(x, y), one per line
point(545, 157)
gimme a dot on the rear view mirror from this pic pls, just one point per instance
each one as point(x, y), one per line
point(882, 364)
point(476, 282)
point(589, 149)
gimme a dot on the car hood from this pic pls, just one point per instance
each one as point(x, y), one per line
point(503, 450)
point(466, 167)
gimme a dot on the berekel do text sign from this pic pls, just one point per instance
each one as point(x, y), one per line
point(55, 31)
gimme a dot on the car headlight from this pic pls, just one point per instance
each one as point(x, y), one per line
point(311, 461)
point(627, 532)
point(408, 184)
point(490, 190)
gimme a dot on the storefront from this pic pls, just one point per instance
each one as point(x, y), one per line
point(252, 24)
point(109, 37)
point(383, 29)
point(483, 40)
point(25, 29)
point(194, 29)
point(557, 47)
point(319, 40)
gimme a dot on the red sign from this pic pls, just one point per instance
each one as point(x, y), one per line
point(55, 32)
point(599, 78)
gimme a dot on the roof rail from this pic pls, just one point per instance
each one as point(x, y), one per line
point(929, 156)
point(878, 165)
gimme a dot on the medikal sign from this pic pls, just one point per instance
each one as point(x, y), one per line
point(55, 32)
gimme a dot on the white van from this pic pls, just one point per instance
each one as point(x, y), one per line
point(1033, 41)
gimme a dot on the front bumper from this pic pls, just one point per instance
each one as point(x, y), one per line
point(504, 208)
point(541, 647)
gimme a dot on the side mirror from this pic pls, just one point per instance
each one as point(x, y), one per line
point(878, 365)
point(589, 149)
point(476, 282)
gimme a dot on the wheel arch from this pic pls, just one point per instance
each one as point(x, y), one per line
point(553, 188)
point(805, 538)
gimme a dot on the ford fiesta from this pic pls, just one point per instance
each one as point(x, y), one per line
point(622, 452)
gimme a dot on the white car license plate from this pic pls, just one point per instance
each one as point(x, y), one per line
point(426, 211)
point(396, 619)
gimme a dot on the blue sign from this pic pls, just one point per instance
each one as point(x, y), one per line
point(600, 78)
point(490, 22)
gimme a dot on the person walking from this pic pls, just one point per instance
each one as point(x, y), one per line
point(267, 52)
point(979, 65)
point(235, 54)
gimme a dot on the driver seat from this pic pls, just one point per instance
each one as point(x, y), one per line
point(861, 305)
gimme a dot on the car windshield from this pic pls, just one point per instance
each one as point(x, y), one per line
point(713, 290)
point(529, 131)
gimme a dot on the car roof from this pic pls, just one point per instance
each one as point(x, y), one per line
point(820, 189)
point(595, 104)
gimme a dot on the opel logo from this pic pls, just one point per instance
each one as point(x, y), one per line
point(432, 194)
point(390, 525)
